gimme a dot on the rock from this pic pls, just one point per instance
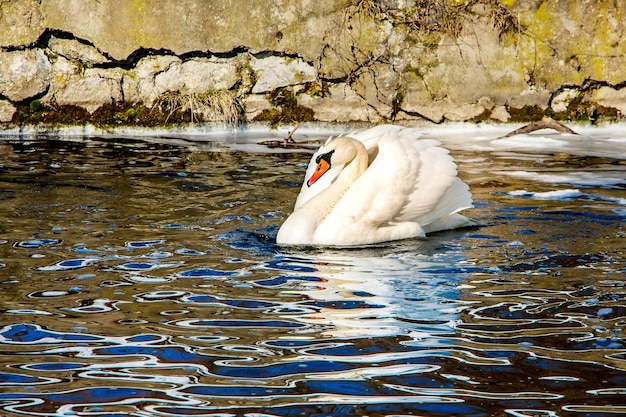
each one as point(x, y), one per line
point(441, 110)
point(92, 89)
point(561, 101)
point(21, 22)
point(198, 75)
point(500, 114)
point(463, 112)
point(274, 72)
point(24, 75)
point(610, 97)
point(530, 98)
point(73, 82)
point(341, 104)
point(7, 110)
point(418, 102)
point(487, 103)
point(148, 67)
point(138, 84)
point(378, 88)
point(63, 70)
point(255, 104)
point(74, 50)
point(474, 64)
point(576, 41)
point(155, 75)
point(431, 111)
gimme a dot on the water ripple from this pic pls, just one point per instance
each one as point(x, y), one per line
point(277, 324)
point(37, 243)
point(205, 273)
point(159, 290)
point(33, 334)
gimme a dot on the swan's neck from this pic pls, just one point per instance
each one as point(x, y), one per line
point(300, 227)
point(322, 204)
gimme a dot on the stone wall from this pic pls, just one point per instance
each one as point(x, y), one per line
point(284, 61)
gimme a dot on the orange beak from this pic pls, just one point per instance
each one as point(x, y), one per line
point(322, 166)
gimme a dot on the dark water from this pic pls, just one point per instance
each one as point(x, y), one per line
point(140, 278)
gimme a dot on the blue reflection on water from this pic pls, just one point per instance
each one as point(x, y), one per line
point(33, 334)
point(69, 264)
point(204, 273)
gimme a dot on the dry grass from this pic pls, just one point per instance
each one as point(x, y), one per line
point(215, 106)
point(436, 16)
point(502, 19)
point(371, 9)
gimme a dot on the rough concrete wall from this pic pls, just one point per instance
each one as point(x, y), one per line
point(327, 60)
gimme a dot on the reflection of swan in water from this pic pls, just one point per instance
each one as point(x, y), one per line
point(366, 294)
point(378, 185)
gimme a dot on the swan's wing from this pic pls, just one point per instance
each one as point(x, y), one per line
point(437, 192)
point(410, 181)
point(371, 137)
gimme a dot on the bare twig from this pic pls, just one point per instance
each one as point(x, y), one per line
point(289, 138)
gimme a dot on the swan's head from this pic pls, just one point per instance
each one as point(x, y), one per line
point(335, 153)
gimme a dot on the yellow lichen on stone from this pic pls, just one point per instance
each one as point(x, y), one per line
point(137, 12)
point(20, 22)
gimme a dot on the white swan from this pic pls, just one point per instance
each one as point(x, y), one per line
point(377, 185)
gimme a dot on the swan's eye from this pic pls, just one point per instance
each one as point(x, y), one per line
point(324, 157)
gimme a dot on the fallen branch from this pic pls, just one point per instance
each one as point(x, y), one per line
point(290, 142)
point(545, 123)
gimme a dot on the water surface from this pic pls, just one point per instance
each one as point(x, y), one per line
point(140, 277)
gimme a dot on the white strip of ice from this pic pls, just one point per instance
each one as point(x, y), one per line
point(564, 195)
point(582, 178)
point(548, 195)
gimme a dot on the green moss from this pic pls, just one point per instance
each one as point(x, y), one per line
point(528, 114)
point(315, 89)
point(126, 116)
point(247, 74)
point(577, 111)
point(35, 105)
point(581, 111)
point(81, 67)
point(286, 109)
point(483, 117)
point(136, 115)
point(38, 113)
point(170, 109)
